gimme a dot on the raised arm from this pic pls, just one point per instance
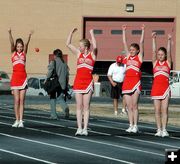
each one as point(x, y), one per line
point(169, 58)
point(11, 40)
point(154, 58)
point(124, 40)
point(27, 43)
point(141, 53)
point(73, 49)
point(93, 40)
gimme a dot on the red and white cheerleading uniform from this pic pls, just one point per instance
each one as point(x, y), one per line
point(83, 82)
point(160, 87)
point(19, 76)
point(132, 76)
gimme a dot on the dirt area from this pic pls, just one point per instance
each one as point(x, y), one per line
point(146, 112)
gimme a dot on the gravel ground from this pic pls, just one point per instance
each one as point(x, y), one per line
point(146, 112)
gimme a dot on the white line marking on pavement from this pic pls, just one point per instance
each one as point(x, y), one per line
point(149, 142)
point(122, 123)
point(105, 125)
point(93, 141)
point(110, 127)
point(25, 156)
point(139, 140)
point(42, 122)
point(66, 148)
point(138, 125)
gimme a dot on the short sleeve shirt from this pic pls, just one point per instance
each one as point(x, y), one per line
point(117, 72)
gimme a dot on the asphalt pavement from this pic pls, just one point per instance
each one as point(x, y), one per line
point(53, 141)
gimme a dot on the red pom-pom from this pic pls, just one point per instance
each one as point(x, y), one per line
point(37, 49)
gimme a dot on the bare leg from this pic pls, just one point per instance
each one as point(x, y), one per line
point(79, 107)
point(16, 94)
point(86, 106)
point(164, 111)
point(115, 103)
point(128, 100)
point(135, 98)
point(22, 99)
point(157, 107)
point(123, 103)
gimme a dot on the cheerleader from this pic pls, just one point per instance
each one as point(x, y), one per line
point(161, 60)
point(19, 76)
point(132, 85)
point(83, 83)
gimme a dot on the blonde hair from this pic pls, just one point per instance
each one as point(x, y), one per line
point(86, 42)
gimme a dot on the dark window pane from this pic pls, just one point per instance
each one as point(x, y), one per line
point(4, 76)
point(30, 81)
point(159, 32)
point(35, 84)
point(136, 32)
point(98, 31)
point(116, 32)
point(42, 83)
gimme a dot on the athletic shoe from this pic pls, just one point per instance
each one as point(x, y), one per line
point(129, 130)
point(135, 129)
point(123, 113)
point(78, 132)
point(84, 132)
point(115, 113)
point(158, 133)
point(54, 117)
point(165, 133)
point(21, 125)
point(15, 124)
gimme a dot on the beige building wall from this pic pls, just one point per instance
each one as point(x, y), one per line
point(178, 35)
point(52, 20)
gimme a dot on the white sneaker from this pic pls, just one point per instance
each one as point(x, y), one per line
point(78, 132)
point(158, 133)
point(15, 124)
point(21, 125)
point(165, 133)
point(124, 111)
point(129, 130)
point(135, 129)
point(84, 132)
point(115, 113)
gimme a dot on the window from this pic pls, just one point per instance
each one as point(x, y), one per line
point(116, 32)
point(174, 78)
point(4, 76)
point(136, 32)
point(42, 83)
point(159, 32)
point(33, 83)
point(30, 82)
point(97, 31)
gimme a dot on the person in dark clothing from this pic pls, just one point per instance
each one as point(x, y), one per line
point(63, 76)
